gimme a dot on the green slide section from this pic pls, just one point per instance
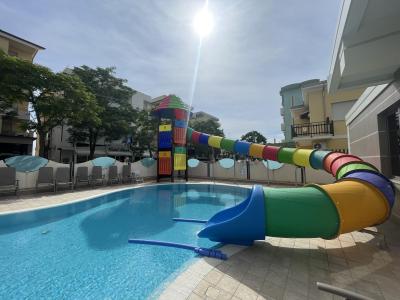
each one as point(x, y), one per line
point(304, 212)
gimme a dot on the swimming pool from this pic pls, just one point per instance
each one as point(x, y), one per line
point(80, 250)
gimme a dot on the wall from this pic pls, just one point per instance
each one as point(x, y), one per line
point(367, 127)
point(138, 100)
point(287, 96)
point(4, 44)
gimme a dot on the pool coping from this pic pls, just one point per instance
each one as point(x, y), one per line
point(87, 198)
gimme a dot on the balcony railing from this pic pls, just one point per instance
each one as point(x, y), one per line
point(312, 129)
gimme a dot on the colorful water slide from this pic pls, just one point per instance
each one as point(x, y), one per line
point(361, 197)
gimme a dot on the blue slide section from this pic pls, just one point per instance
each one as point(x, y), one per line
point(241, 224)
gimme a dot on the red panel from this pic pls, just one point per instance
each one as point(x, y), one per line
point(179, 135)
point(164, 165)
point(270, 152)
point(180, 114)
point(330, 158)
point(341, 160)
point(195, 137)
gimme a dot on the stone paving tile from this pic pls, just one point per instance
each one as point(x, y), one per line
point(290, 268)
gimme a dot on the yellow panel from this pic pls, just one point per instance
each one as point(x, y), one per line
point(302, 157)
point(164, 154)
point(215, 141)
point(179, 161)
point(359, 204)
point(165, 128)
point(256, 150)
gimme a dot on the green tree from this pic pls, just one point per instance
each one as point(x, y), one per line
point(116, 114)
point(54, 98)
point(254, 137)
point(210, 127)
point(144, 132)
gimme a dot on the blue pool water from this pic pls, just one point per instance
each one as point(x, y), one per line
point(80, 251)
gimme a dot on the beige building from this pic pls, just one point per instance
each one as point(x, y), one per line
point(320, 121)
point(14, 140)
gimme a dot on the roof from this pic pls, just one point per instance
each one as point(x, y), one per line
point(21, 40)
point(170, 104)
point(299, 85)
point(367, 44)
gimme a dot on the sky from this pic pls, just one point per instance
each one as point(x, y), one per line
point(255, 48)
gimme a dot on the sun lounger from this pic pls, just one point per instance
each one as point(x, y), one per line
point(63, 178)
point(45, 178)
point(8, 181)
point(82, 176)
point(113, 176)
point(126, 173)
point(97, 175)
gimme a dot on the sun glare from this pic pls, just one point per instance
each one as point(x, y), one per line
point(203, 22)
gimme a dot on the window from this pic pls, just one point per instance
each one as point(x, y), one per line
point(340, 109)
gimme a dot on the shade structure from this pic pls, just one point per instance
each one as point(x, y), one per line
point(285, 155)
point(301, 157)
point(242, 147)
point(354, 166)
point(317, 159)
point(340, 161)
point(203, 139)
point(171, 107)
point(227, 144)
point(329, 159)
point(377, 180)
point(214, 141)
point(270, 153)
point(256, 150)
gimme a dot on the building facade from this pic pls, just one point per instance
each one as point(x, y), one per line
point(141, 101)
point(291, 97)
point(14, 140)
point(61, 150)
point(320, 121)
point(367, 54)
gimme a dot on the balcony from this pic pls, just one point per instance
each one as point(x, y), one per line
point(313, 129)
point(282, 111)
point(283, 127)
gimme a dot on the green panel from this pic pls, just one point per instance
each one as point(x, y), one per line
point(181, 150)
point(285, 155)
point(305, 212)
point(352, 167)
point(189, 132)
point(228, 145)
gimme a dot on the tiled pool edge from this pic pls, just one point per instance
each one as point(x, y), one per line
point(184, 284)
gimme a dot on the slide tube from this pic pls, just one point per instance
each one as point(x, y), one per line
point(361, 197)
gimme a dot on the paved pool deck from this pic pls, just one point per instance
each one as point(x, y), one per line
point(277, 268)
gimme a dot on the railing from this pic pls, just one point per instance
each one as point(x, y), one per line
point(312, 129)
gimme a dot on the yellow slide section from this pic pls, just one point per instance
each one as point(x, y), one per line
point(359, 204)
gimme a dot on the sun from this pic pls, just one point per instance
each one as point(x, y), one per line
point(203, 22)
